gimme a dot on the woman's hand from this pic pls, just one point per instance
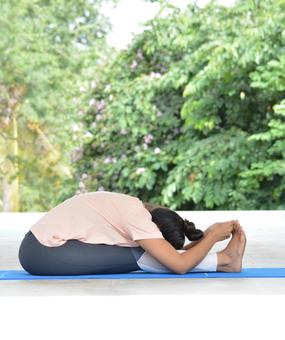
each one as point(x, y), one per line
point(211, 229)
point(222, 230)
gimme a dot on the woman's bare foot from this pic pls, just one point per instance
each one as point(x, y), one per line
point(230, 258)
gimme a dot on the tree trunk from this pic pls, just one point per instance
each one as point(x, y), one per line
point(11, 176)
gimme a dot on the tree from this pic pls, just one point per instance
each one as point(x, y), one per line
point(46, 48)
point(176, 117)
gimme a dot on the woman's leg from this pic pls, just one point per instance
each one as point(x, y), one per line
point(74, 258)
point(149, 264)
point(227, 260)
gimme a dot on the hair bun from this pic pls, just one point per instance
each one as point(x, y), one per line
point(191, 232)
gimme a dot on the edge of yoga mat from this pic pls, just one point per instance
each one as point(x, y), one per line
point(245, 273)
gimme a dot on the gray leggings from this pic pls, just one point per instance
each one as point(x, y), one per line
point(76, 258)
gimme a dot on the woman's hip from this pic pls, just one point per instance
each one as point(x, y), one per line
point(76, 258)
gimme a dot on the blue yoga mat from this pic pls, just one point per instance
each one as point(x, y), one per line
point(245, 273)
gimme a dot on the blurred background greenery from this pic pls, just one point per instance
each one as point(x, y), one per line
point(191, 114)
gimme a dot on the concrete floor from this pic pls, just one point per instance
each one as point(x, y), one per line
point(265, 232)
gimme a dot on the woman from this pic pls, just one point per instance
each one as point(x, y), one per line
point(109, 232)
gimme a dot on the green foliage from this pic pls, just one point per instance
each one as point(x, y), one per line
point(269, 170)
point(190, 114)
point(47, 49)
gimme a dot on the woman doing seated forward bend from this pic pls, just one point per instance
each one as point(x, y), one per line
point(109, 232)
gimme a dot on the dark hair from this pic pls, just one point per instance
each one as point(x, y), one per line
point(174, 228)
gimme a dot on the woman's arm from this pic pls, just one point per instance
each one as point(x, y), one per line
point(180, 263)
point(193, 243)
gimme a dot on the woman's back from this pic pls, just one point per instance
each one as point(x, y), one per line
point(97, 217)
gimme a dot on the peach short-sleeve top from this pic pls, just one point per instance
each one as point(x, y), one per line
point(97, 217)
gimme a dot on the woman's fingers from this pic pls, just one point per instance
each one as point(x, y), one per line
point(236, 226)
point(239, 227)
